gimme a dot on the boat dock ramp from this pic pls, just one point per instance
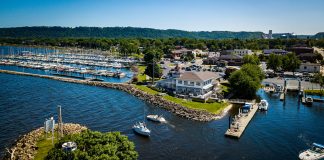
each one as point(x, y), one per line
point(241, 121)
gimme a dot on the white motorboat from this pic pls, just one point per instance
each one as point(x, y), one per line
point(141, 129)
point(309, 100)
point(314, 153)
point(156, 118)
point(263, 105)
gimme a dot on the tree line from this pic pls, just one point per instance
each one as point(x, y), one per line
point(133, 45)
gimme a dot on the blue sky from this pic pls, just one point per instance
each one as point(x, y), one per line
point(299, 16)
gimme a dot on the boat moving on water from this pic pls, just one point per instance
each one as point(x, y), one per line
point(263, 105)
point(314, 153)
point(156, 118)
point(141, 129)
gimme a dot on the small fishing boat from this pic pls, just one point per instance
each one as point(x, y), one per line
point(156, 118)
point(263, 105)
point(141, 129)
point(314, 153)
point(309, 100)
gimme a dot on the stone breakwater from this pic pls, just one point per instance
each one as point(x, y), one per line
point(192, 114)
point(25, 147)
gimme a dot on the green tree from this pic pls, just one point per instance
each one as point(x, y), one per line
point(157, 70)
point(245, 82)
point(95, 145)
point(188, 57)
point(251, 59)
point(290, 62)
point(274, 62)
point(152, 55)
point(319, 78)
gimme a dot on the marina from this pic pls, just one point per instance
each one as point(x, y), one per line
point(95, 67)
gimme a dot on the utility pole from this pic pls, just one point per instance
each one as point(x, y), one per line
point(60, 123)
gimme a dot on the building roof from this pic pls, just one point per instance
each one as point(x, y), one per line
point(197, 76)
point(230, 57)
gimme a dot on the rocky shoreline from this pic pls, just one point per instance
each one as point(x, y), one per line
point(26, 146)
point(192, 114)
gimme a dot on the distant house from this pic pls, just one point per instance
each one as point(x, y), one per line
point(301, 50)
point(176, 54)
point(310, 67)
point(199, 84)
point(232, 60)
point(242, 52)
point(307, 57)
point(274, 51)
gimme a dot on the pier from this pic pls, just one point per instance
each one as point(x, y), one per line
point(238, 126)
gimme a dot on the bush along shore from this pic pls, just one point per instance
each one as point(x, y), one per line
point(192, 114)
point(26, 146)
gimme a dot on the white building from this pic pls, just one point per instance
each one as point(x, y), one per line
point(310, 67)
point(242, 52)
point(196, 84)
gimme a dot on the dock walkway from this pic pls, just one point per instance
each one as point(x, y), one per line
point(243, 121)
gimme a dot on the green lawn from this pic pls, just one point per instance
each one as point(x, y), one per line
point(146, 89)
point(141, 77)
point(44, 145)
point(315, 92)
point(210, 107)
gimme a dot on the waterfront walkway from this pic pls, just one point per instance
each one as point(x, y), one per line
point(243, 121)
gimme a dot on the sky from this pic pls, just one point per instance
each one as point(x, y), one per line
point(282, 16)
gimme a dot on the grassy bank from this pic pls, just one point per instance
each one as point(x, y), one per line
point(44, 145)
point(215, 107)
point(314, 92)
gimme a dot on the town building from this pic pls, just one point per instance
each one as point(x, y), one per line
point(242, 52)
point(196, 84)
point(301, 50)
point(268, 36)
point(191, 84)
point(232, 60)
point(310, 67)
point(274, 51)
point(176, 54)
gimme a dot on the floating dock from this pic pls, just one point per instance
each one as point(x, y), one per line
point(282, 96)
point(243, 121)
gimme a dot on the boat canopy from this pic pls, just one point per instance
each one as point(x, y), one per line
point(246, 107)
point(318, 145)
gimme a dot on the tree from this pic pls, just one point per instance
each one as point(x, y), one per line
point(95, 145)
point(245, 82)
point(188, 56)
point(251, 59)
point(157, 70)
point(274, 62)
point(152, 54)
point(319, 78)
point(290, 62)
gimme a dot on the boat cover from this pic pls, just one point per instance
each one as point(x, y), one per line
point(318, 145)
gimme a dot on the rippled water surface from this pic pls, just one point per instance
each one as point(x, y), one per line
point(280, 133)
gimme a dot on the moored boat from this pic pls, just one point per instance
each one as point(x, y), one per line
point(314, 153)
point(263, 105)
point(156, 118)
point(309, 100)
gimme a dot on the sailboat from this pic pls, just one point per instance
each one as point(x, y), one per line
point(140, 128)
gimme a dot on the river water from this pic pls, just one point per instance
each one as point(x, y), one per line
point(280, 133)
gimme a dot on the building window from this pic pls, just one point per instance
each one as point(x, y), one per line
point(198, 83)
point(315, 67)
point(305, 67)
point(185, 82)
point(179, 82)
point(192, 83)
